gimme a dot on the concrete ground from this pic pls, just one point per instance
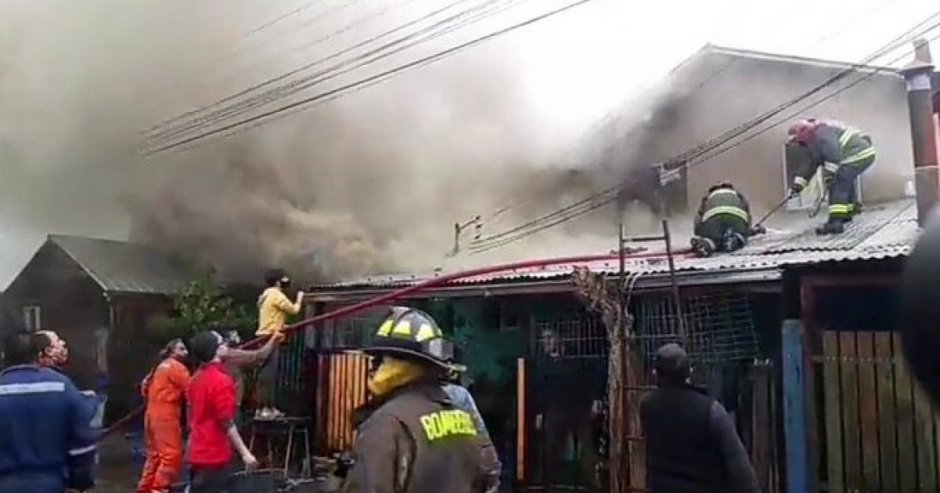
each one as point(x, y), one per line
point(117, 472)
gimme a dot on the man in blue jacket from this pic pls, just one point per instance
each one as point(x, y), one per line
point(46, 440)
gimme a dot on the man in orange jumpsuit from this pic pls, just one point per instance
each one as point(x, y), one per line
point(164, 390)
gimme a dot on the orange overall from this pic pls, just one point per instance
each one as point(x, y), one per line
point(164, 392)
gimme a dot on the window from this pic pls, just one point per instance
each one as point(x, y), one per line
point(32, 319)
point(813, 195)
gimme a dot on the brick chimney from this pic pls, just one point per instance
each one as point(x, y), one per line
point(923, 129)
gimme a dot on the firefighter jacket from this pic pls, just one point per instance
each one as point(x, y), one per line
point(692, 445)
point(46, 438)
point(724, 202)
point(416, 441)
point(834, 144)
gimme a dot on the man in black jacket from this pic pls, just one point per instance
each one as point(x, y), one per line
point(691, 443)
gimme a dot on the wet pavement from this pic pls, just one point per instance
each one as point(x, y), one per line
point(116, 472)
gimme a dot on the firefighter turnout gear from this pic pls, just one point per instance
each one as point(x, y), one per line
point(164, 392)
point(414, 440)
point(411, 437)
point(723, 222)
point(843, 153)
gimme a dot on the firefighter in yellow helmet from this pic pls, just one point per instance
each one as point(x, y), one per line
point(411, 438)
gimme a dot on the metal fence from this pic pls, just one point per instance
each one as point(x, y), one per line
point(876, 430)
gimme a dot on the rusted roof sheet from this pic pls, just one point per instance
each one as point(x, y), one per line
point(123, 267)
point(880, 232)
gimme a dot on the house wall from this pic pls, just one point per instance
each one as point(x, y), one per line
point(71, 304)
point(131, 353)
point(722, 90)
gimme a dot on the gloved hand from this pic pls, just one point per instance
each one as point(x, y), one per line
point(796, 189)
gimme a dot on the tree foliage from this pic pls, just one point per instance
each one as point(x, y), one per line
point(203, 305)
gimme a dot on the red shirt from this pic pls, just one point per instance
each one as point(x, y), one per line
point(212, 407)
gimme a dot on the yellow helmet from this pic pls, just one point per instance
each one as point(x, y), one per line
point(412, 334)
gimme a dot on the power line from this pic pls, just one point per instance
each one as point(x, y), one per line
point(294, 12)
point(604, 197)
point(367, 80)
point(305, 67)
point(332, 72)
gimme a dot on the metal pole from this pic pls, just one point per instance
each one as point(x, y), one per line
point(623, 447)
point(923, 136)
point(677, 302)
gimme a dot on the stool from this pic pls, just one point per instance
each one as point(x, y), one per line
point(288, 427)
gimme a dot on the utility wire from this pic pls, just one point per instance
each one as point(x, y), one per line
point(337, 70)
point(367, 80)
point(604, 197)
point(156, 132)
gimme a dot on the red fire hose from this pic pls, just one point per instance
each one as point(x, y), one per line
point(421, 286)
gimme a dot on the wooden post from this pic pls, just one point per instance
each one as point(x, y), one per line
point(794, 407)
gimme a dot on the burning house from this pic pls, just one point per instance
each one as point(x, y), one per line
point(795, 334)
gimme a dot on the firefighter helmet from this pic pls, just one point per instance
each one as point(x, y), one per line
point(802, 131)
point(411, 333)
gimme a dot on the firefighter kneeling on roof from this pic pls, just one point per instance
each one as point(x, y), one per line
point(723, 223)
point(844, 153)
point(411, 438)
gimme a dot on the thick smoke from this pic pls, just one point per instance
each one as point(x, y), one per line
point(361, 185)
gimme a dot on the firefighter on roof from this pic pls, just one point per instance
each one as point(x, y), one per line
point(411, 438)
point(844, 153)
point(723, 222)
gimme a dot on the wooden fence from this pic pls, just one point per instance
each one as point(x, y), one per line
point(342, 389)
point(876, 430)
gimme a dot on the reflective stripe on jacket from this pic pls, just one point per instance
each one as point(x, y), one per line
point(834, 144)
point(727, 202)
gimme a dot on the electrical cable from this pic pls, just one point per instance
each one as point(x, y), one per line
point(152, 132)
point(370, 79)
point(570, 212)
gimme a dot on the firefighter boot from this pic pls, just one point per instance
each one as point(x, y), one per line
point(703, 247)
point(832, 227)
point(854, 210)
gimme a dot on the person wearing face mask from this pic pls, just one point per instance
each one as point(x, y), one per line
point(57, 355)
point(411, 437)
point(274, 307)
point(46, 440)
point(213, 435)
point(163, 391)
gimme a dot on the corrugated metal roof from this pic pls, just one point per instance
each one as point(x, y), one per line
point(880, 232)
point(123, 267)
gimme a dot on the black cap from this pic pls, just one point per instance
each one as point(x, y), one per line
point(204, 345)
point(672, 362)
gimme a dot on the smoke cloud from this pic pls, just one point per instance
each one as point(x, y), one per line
point(366, 184)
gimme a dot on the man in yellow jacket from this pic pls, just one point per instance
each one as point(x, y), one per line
point(273, 309)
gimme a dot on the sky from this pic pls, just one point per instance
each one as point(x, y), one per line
point(80, 81)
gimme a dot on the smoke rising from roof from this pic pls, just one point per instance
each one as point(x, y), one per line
point(363, 184)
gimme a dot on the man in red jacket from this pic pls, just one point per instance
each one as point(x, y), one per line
point(212, 410)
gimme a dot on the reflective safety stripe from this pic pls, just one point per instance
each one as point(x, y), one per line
point(840, 209)
point(860, 155)
point(831, 167)
point(725, 209)
point(31, 388)
point(846, 137)
point(386, 329)
point(425, 332)
point(82, 451)
point(402, 328)
point(443, 424)
point(723, 191)
point(800, 181)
